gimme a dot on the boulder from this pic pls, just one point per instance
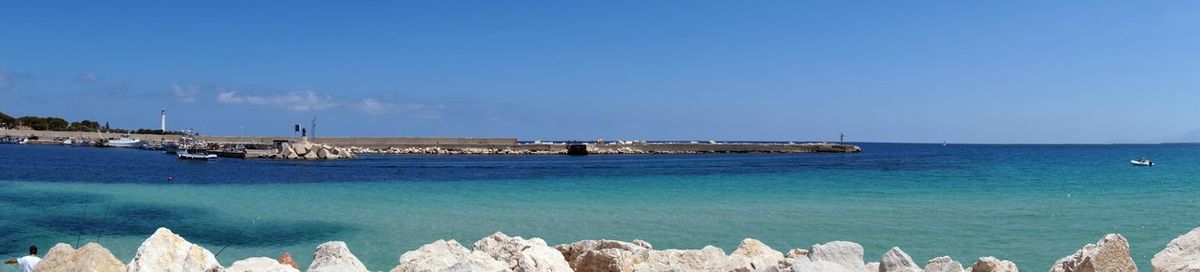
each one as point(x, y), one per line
point(707, 259)
point(991, 264)
point(604, 255)
point(873, 267)
point(91, 257)
point(848, 255)
point(895, 260)
point(523, 255)
point(323, 153)
point(752, 255)
point(802, 265)
point(260, 264)
point(446, 256)
point(167, 252)
point(1110, 254)
point(943, 264)
point(1181, 254)
point(334, 256)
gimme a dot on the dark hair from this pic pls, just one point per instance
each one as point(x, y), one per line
point(32, 250)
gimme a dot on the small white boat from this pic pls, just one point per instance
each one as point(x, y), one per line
point(1142, 162)
point(199, 155)
point(124, 141)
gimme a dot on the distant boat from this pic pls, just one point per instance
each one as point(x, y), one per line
point(184, 154)
point(12, 140)
point(124, 141)
point(1142, 162)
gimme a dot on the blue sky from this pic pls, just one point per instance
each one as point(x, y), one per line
point(908, 71)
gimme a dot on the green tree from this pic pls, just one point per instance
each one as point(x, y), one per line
point(7, 121)
point(55, 123)
point(37, 123)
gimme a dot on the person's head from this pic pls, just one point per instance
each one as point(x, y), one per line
point(32, 250)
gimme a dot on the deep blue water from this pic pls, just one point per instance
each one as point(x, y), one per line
point(1029, 203)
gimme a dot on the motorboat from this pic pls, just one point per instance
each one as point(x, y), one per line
point(185, 154)
point(124, 141)
point(1142, 162)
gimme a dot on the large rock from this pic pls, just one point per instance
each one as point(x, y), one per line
point(447, 256)
point(260, 264)
point(848, 255)
point(604, 255)
point(91, 257)
point(1181, 254)
point(522, 255)
point(707, 259)
point(895, 260)
point(991, 264)
point(1110, 254)
point(166, 252)
point(334, 256)
point(752, 255)
point(943, 264)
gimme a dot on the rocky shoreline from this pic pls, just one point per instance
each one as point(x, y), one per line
point(166, 251)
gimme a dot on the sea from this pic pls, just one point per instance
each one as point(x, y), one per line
point(1032, 204)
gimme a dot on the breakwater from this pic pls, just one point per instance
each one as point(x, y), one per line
point(167, 251)
point(633, 148)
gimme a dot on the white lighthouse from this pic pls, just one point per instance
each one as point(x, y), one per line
point(162, 120)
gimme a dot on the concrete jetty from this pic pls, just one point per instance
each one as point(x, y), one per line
point(466, 145)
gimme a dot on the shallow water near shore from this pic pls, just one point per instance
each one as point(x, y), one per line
point(1031, 204)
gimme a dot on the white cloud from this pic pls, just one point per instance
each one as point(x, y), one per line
point(415, 110)
point(420, 110)
point(374, 106)
point(186, 92)
point(87, 78)
point(296, 101)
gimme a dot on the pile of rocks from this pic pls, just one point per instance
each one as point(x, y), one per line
point(166, 251)
point(455, 151)
point(306, 150)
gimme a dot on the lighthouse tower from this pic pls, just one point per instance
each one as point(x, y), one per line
point(162, 120)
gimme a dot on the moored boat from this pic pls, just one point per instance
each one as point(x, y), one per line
point(185, 154)
point(124, 141)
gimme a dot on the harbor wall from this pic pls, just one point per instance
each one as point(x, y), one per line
point(371, 142)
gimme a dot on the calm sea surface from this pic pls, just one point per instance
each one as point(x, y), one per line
point(1032, 204)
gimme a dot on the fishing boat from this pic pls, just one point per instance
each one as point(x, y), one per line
point(185, 154)
point(12, 140)
point(124, 141)
point(1142, 162)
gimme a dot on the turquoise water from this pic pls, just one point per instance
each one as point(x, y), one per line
point(1032, 204)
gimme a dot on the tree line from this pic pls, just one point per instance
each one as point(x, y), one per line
point(60, 124)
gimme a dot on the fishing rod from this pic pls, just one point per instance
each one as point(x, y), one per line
point(104, 220)
point(79, 232)
point(239, 235)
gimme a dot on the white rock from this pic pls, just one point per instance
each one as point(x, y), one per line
point(166, 252)
point(1181, 254)
point(873, 267)
point(1110, 254)
point(260, 264)
point(846, 254)
point(708, 259)
point(943, 264)
point(895, 260)
point(334, 256)
point(753, 255)
point(447, 256)
point(604, 255)
point(91, 257)
point(522, 255)
point(991, 264)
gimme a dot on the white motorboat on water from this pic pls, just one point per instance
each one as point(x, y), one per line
point(124, 141)
point(1142, 162)
point(184, 154)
